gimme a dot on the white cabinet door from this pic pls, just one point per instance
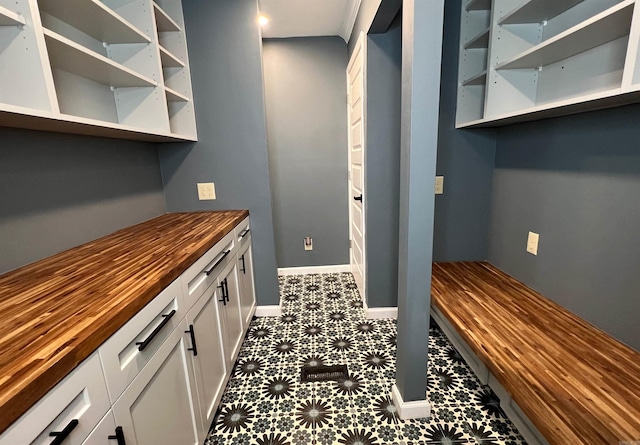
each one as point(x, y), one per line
point(70, 411)
point(229, 304)
point(247, 290)
point(104, 433)
point(207, 355)
point(158, 408)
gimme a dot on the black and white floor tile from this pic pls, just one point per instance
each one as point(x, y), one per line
point(265, 403)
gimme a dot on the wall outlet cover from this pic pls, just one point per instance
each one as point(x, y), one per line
point(532, 243)
point(439, 185)
point(206, 191)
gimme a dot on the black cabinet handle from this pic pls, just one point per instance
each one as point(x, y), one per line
point(226, 289)
point(193, 347)
point(60, 436)
point(243, 268)
point(143, 344)
point(358, 198)
point(224, 297)
point(208, 272)
point(244, 232)
point(119, 436)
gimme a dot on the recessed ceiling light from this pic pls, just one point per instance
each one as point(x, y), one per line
point(263, 20)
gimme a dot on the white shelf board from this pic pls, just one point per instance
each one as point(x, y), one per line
point(94, 18)
point(536, 11)
point(169, 60)
point(479, 5)
point(21, 117)
point(478, 79)
point(10, 18)
point(479, 41)
point(595, 101)
point(174, 96)
point(598, 30)
point(164, 23)
point(69, 56)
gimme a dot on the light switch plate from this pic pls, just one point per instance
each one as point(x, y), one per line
point(439, 185)
point(532, 243)
point(206, 191)
point(308, 243)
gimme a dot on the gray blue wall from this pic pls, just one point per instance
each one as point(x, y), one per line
point(305, 90)
point(465, 159)
point(58, 191)
point(382, 164)
point(575, 180)
point(225, 54)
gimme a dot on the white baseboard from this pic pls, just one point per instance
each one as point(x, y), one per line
point(268, 311)
point(314, 269)
point(376, 313)
point(410, 410)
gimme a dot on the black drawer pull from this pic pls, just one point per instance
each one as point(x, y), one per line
point(244, 232)
point(143, 344)
point(358, 198)
point(119, 436)
point(60, 436)
point(244, 267)
point(208, 272)
point(193, 347)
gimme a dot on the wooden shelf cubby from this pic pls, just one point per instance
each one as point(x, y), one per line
point(96, 65)
point(546, 58)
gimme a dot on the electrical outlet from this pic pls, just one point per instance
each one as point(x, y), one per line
point(206, 191)
point(439, 185)
point(532, 243)
point(308, 243)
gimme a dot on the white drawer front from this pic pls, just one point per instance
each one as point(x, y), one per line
point(105, 429)
point(81, 397)
point(203, 272)
point(122, 358)
point(243, 232)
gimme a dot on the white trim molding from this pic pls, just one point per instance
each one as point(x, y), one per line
point(410, 410)
point(268, 311)
point(314, 269)
point(376, 313)
point(350, 19)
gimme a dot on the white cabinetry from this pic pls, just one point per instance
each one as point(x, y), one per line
point(68, 413)
point(530, 59)
point(207, 355)
point(159, 406)
point(96, 67)
point(230, 316)
point(245, 276)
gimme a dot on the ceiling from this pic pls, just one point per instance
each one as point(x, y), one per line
point(305, 18)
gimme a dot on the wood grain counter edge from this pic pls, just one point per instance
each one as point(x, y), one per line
point(57, 311)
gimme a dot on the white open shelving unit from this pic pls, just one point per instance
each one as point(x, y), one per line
point(100, 67)
point(545, 58)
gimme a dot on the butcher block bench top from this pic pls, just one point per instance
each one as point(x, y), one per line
point(575, 383)
point(54, 313)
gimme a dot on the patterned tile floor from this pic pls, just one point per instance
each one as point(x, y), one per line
point(323, 322)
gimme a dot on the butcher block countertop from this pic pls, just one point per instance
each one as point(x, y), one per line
point(54, 313)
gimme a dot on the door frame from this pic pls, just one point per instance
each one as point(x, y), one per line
point(360, 49)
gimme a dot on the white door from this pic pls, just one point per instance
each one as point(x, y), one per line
point(357, 197)
point(230, 315)
point(247, 290)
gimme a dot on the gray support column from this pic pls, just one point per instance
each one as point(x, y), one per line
point(421, 55)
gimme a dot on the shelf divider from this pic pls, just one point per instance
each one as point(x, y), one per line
point(479, 5)
point(536, 11)
point(478, 79)
point(164, 22)
point(598, 30)
point(10, 18)
point(96, 19)
point(67, 55)
point(174, 96)
point(480, 41)
point(169, 60)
